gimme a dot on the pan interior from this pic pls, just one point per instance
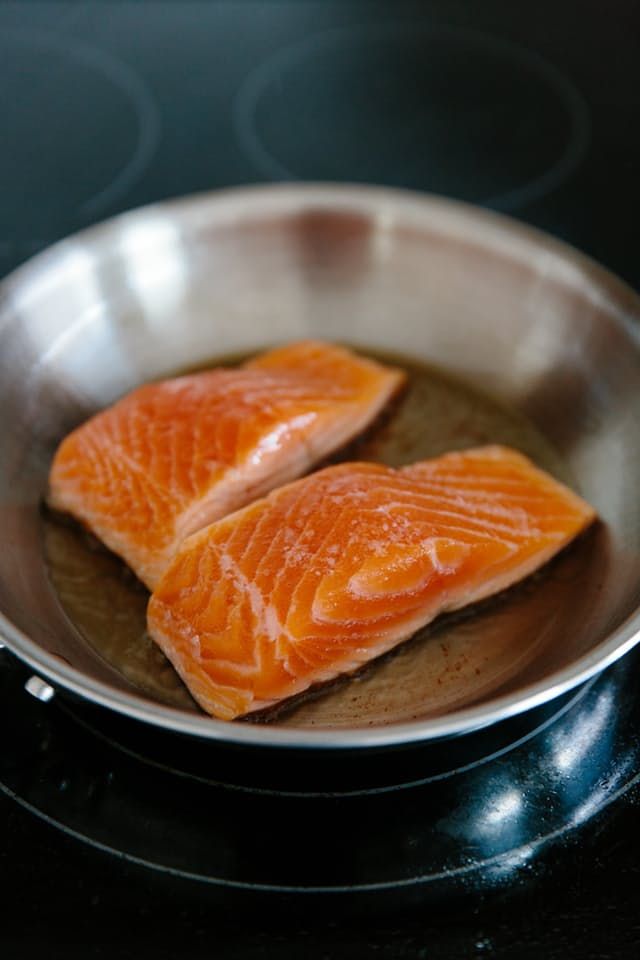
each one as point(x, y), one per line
point(459, 660)
point(507, 337)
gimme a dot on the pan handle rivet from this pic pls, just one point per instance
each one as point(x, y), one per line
point(39, 689)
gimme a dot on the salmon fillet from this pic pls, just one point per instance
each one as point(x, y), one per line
point(173, 456)
point(331, 571)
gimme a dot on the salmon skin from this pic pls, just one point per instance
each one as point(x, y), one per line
point(329, 572)
point(173, 456)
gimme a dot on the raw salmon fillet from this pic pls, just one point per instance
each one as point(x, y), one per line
point(173, 456)
point(329, 572)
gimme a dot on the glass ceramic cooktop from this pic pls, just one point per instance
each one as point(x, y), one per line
point(521, 841)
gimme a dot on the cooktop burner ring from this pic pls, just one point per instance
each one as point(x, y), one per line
point(79, 74)
point(505, 864)
point(342, 130)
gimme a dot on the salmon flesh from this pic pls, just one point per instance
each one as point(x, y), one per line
point(329, 572)
point(171, 457)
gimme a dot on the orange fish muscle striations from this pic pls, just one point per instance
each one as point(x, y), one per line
point(173, 456)
point(330, 572)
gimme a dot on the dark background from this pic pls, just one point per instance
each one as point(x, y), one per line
point(529, 108)
point(110, 105)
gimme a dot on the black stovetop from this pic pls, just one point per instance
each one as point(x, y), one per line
point(511, 841)
point(521, 841)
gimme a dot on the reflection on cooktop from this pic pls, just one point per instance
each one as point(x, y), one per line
point(466, 813)
point(77, 92)
point(451, 111)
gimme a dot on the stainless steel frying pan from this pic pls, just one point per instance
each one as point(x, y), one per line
point(507, 309)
